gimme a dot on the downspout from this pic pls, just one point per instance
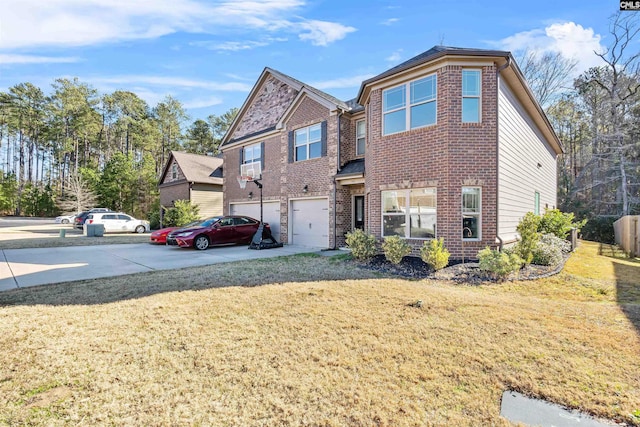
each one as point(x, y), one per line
point(498, 71)
point(335, 185)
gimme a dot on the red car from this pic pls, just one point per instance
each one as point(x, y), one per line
point(219, 230)
point(160, 236)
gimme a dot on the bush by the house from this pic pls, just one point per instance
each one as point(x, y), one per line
point(499, 264)
point(550, 250)
point(395, 249)
point(182, 213)
point(363, 245)
point(558, 223)
point(529, 236)
point(435, 254)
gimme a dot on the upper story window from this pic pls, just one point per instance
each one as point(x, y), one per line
point(308, 143)
point(174, 171)
point(420, 110)
point(251, 159)
point(360, 137)
point(471, 96)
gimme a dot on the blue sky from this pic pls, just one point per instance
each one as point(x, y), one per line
point(209, 53)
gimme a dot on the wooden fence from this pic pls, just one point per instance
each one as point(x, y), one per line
point(627, 230)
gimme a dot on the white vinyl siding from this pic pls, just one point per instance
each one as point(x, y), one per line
point(208, 199)
point(527, 164)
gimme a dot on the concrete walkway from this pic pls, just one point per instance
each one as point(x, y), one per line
point(21, 268)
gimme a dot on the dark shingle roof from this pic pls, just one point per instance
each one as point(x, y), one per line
point(429, 55)
point(353, 167)
point(354, 106)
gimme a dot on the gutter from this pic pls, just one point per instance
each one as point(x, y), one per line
point(498, 71)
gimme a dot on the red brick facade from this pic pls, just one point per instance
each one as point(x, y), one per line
point(447, 155)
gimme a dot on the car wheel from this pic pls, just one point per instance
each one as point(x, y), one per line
point(140, 229)
point(201, 243)
point(65, 221)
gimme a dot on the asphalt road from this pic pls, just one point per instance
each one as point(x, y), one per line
point(18, 221)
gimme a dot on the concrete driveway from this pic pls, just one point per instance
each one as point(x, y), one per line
point(21, 268)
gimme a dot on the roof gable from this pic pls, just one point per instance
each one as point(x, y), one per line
point(269, 101)
point(195, 167)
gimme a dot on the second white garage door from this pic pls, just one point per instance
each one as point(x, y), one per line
point(270, 212)
point(310, 222)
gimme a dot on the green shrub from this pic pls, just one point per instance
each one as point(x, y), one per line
point(182, 213)
point(395, 248)
point(529, 236)
point(550, 250)
point(599, 229)
point(499, 264)
point(363, 245)
point(558, 223)
point(435, 254)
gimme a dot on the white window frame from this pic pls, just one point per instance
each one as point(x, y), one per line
point(477, 214)
point(477, 96)
point(407, 212)
point(252, 160)
point(408, 105)
point(174, 171)
point(536, 202)
point(362, 137)
point(308, 143)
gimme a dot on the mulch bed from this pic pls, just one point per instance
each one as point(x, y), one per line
point(457, 271)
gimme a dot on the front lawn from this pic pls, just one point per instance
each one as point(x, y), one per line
point(316, 341)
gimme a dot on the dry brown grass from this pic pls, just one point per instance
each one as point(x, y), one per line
point(315, 345)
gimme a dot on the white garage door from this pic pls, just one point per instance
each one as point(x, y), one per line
point(310, 222)
point(270, 212)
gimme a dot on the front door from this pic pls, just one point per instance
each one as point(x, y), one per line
point(358, 212)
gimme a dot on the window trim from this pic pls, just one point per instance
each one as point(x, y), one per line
point(253, 158)
point(478, 96)
point(174, 171)
point(407, 105)
point(476, 214)
point(407, 213)
point(308, 143)
point(536, 202)
point(363, 137)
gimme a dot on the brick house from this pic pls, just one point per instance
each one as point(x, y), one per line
point(450, 143)
point(192, 177)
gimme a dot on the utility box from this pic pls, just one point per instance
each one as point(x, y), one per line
point(93, 230)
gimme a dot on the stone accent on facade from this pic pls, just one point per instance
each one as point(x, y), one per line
point(270, 102)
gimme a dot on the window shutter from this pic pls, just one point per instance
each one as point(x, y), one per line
point(240, 155)
point(323, 138)
point(291, 150)
point(261, 156)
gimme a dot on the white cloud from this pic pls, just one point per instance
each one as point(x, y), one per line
point(570, 39)
point(203, 102)
point(395, 56)
point(390, 21)
point(343, 82)
point(64, 23)
point(234, 46)
point(321, 33)
point(33, 59)
point(174, 82)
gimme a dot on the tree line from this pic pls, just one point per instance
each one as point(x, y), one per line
point(76, 147)
point(597, 119)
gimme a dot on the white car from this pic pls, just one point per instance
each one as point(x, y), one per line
point(117, 222)
point(65, 219)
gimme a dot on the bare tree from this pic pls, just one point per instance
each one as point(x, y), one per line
point(79, 196)
point(548, 74)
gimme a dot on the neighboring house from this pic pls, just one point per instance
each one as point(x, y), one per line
point(450, 143)
point(193, 177)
